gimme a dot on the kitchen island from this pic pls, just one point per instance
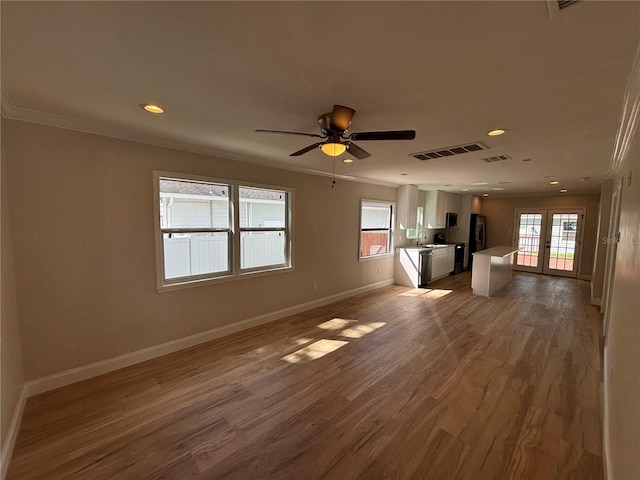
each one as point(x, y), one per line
point(492, 269)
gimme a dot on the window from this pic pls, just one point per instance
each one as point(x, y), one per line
point(376, 235)
point(416, 232)
point(201, 239)
point(195, 227)
point(263, 231)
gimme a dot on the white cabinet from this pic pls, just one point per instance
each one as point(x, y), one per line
point(434, 209)
point(454, 203)
point(407, 206)
point(451, 259)
point(442, 262)
point(437, 205)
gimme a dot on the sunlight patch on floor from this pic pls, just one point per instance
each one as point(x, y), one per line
point(425, 292)
point(359, 331)
point(314, 351)
point(437, 293)
point(414, 292)
point(335, 324)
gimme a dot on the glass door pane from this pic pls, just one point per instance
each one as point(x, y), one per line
point(529, 231)
point(562, 242)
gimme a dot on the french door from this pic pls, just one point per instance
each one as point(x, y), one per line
point(549, 240)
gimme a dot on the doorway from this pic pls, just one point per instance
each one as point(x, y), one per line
point(549, 241)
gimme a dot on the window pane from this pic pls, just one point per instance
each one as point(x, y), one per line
point(259, 249)
point(374, 242)
point(563, 241)
point(260, 207)
point(195, 254)
point(529, 239)
point(189, 204)
point(375, 215)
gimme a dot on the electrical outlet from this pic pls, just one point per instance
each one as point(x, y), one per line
point(378, 270)
point(314, 285)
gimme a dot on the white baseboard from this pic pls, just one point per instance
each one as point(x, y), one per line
point(12, 433)
point(606, 445)
point(584, 277)
point(84, 372)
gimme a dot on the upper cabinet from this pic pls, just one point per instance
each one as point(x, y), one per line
point(437, 205)
point(407, 206)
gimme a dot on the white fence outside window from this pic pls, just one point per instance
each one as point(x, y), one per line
point(200, 254)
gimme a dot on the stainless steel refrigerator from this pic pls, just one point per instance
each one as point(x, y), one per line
point(477, 235)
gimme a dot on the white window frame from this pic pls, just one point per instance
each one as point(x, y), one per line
point(390, 247)
point(234, 272)
point(284, 230)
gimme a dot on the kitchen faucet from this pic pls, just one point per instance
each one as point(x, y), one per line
point(424, 235)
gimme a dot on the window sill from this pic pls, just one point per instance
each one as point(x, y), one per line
point(203, 282)
point(371, 257)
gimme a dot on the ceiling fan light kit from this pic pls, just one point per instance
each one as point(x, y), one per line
point(334, 126)
point(333, 149)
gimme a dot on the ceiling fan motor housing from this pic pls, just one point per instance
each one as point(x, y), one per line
point(327, 126)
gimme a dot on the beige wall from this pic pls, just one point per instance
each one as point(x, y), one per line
point(500, 213)
point(622, 347)
point(11, 373)
point(82, 226)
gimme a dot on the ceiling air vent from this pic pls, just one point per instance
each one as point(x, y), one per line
point(566, 3)
point(497, 158)
point(556, 6)
point(449, 151)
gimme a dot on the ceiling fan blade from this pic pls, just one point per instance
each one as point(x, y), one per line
point(306, 149)
point(356, 151)
point(291, 133)
point(341, 117)
point(387, 135)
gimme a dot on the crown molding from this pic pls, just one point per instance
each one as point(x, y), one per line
point(11, 111)
point(6, 105)
point(629, 119)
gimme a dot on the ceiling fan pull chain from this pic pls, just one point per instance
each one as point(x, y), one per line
point(333, 183)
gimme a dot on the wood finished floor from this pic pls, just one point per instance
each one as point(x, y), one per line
point(392, 384)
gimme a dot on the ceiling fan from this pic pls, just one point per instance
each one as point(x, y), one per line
point(334, 126)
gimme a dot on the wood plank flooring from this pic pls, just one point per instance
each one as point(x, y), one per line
point(392, 384)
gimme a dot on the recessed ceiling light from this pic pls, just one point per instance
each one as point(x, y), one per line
point(480, 183)
point(152, 108)
point(485, 194)
point(347, 160)
point(496, 132)
point(555, 182)
point(563, 190)
point(497, 188)
point(465, 189)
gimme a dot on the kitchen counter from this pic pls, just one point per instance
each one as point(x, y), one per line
point(414, 269)
point(407, 269)
point(492, 269)
point(497, 251)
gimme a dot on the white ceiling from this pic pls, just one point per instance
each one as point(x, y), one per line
point(450, 70)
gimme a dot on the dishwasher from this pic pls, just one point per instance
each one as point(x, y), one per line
point(425, 264)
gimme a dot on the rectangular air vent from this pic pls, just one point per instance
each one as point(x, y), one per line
point(556, 6)
point(565, 3)
point(449, 151)
point(497, 158)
